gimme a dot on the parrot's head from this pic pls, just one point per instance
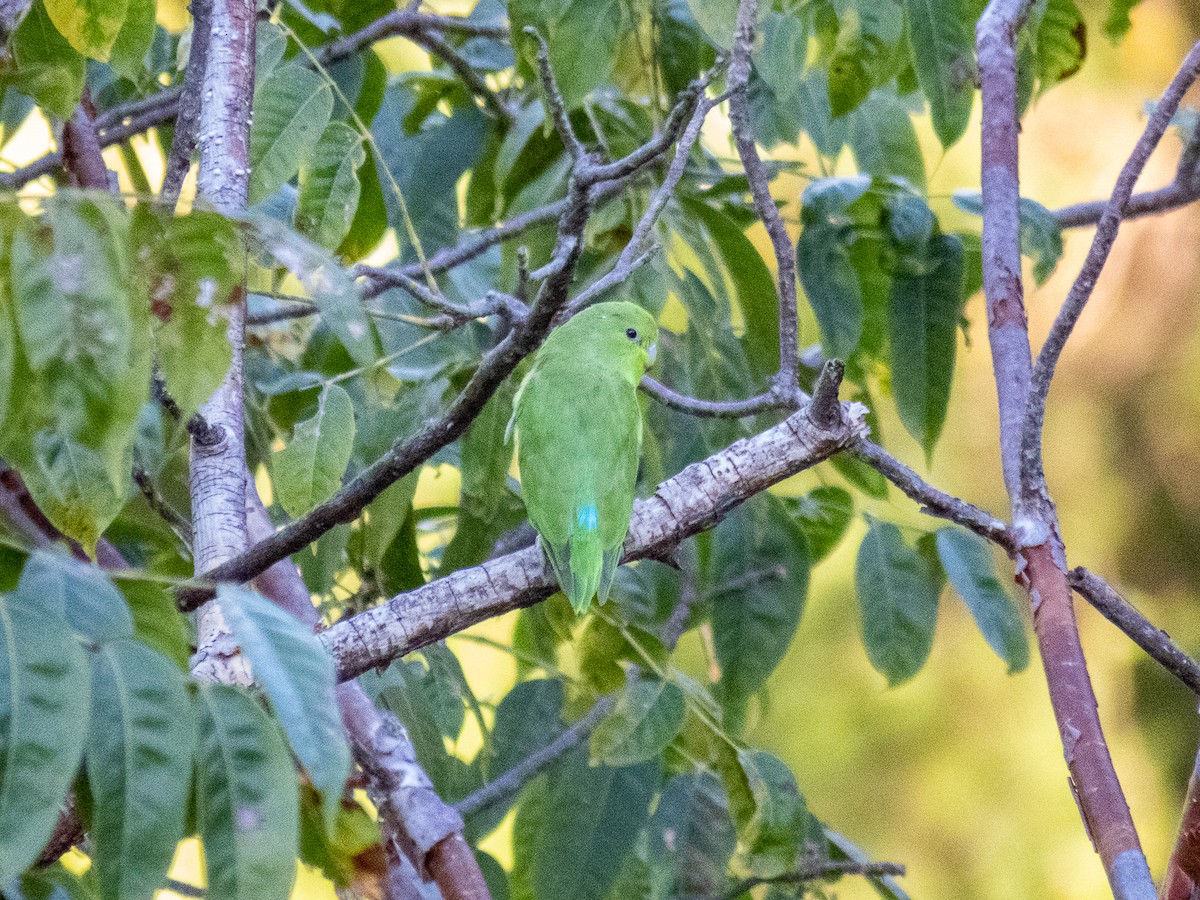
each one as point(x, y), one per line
point(617, 330)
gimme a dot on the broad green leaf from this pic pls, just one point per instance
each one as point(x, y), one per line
point(157, 622)
point(310, 468)
point(270, 44)
point(247, 807)
point(45, 693)
point(73, 486)
point(647, 716)
point(1041, 235)
point(923, 323)
point(864, 54)
point(592, 819)
point(884, 141)
point(48, 68)
point(824, 513)
point(1061, 43)
point(529, 824)
point(780, 58)
point(898, 599)
point(1118, 23)
point(941, 35)
point(574, 30)
point(691, 838)
point(753, 285)
point(297, 676)
point(683, 51)
point(134, 39)
point(760, 570)
point(194, 263)
point(329, 186)
point(291, 109)
point(823, 258)
point(139, 766)
point(766, 805)
point(717, 18)
point(90, 26)
point(968, 563)
point(63, 587)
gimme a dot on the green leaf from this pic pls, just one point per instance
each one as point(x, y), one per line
point(898, 599)
point(48, 68)
point(864, 52)
point(134, 40)
point(1041, 235)
point(968, 563)
point(923, 326)
point(90, 26)
point(329, 186)
point(297, 676)
point(44, 699)
point(767, 807)
point(779, 61)
point(691, 838)
point(139, 766)
point(310, 468)
point(1061, 43)
point(291, 110)
point(193, 265)
point(1118, 23)
point(884, 141)
point(753, 284)
point(824, 513)
point(63, 587)
point(941, 36)
point(593, 814)
point(717, 18)
point(761, 568)
point(823, 258)
point(574, 30)
point(247, 807)
point(157, 622)
point(647, 716)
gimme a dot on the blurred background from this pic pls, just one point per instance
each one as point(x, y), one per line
point(959, 774)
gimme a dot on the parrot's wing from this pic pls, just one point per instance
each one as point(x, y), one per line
point(608, 571)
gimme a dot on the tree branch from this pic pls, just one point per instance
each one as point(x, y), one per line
point(218, 472)
point(693, 501)
point(81, 153)
point(1042, 560)
point(1156, 642)
point(760, 188)
point(819, 869)
point(1033, 476)
point(183, 141)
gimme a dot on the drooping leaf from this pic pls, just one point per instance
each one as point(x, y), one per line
point(291, 110)
point(1061, 43)
point(941, 36)
point(925, 310)
point(63, 587)
point(310, 467)
point(90, 26)
point(45, 694)
point(592, 817)
point(898, 599)
point(1118, 23)
point(824, 513)
point(647, 716)
point(297, 676)
point(968, 564)
point(825, 267)
point(1041, 235)
point(134, 39)
point(884, 141)
point(247, 808)
point(767, 806)
point(691, 838)
point(574, 30)
point(329, 186)
point(864, 53)
point(48, 68)
point(760, 574)
point(139, 765)
point(157, 622)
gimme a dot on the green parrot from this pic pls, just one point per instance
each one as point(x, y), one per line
point(579, 432)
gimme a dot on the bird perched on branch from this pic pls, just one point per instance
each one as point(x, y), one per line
point(579, 432)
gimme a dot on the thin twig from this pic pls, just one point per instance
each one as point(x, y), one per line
point(764, 204)
point(554, 99)
point(1033, 477)
point(815, 871)
point(434, 44)
point(711, 409)
point(511, 782)
point(1156, 642)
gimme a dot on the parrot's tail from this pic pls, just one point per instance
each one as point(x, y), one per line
point(582, 565)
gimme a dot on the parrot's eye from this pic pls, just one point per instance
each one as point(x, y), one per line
point(631, 333)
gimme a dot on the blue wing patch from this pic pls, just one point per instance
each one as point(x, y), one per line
point(587, 518)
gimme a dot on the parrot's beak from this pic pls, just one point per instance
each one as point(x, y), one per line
point(652, 353)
